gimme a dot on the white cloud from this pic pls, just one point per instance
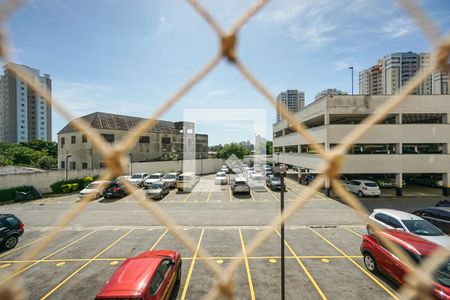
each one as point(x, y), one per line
point(315, 34)
point(81, 98)
point(398, 27)
point(220, 93)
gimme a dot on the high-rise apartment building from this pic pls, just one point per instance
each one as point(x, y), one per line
point(23, 114)
point(394, 70)
point(292, 100)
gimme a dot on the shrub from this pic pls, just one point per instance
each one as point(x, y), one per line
point(86, 180)
point(72, 185)
point(9, 194)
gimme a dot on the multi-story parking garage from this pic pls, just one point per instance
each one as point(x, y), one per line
point(413, 139)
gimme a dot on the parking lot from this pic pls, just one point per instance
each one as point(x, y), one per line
point(321, 243)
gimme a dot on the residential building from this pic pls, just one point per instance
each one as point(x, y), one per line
point(413, 139)
point(24, 115)
point(329, 92)
point(292, 100)
point(394, 70)
point(164, 138)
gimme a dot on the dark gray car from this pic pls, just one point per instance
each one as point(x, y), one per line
point(10, 229)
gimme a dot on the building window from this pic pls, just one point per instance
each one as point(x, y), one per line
point(63, 164)
point(422, 148)
point(83, 138)
point(108, 137)
point(73, 139)
point(165, 140)
point(102, 165)
point(63, 141)
point(73, 165)
point(144, 140)
point(84, 165)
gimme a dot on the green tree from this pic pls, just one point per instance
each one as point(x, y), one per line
point(47, 162)
point(4, 161)
point(237, 149)
point(269, 147)
point(51, 148)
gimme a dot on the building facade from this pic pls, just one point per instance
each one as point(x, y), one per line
point(291, 100)
point(394, 70)
point(170, 140)
point(24, 115)
point(413, 139)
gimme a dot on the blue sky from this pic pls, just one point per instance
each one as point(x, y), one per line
point(127, 57)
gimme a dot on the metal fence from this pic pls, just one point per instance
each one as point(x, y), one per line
point(418, 282)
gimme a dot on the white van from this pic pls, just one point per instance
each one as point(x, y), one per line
point(187, 181)
point(258, 182)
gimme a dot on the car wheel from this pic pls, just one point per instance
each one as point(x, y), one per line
point(360, 194)
point(179, 274)
point(10, 242)
point(370, 263)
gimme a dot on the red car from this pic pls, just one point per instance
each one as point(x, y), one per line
point(148, 276)
point(378, 259)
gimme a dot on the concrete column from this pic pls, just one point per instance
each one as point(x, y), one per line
point(399, 184)
point(446, 184)
point(326, 119)
point(299, 149)
point(398, 118)
point(399, 149)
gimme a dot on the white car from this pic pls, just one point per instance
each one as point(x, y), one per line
point(221, 178)
point(95, 187)
point(138, 179)
point(224, 169)
point(258, 182)
point(155, 177)
point(363, 187)
point(171, 178)
point(394, 219)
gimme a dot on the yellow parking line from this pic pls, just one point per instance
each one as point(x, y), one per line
point(51, 254)
point(354, 232)
point(247, 267)
point(184, 258)
point(159, 239)
point(273, 194)
point(314, 283)
point(191, 268)
point(317, 193)
point(170, 194)
point(356, 264)
point(209, 195)
point(187, 197)
point(83, 266)
point(21, 247)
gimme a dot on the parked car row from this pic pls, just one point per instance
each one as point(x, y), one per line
point(416, 236)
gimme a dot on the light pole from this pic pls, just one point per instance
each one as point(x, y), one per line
point(131, 163)
point(278, 158)
point(201, 163)
point(67, 164)
point(281, 172)
point(351, 68)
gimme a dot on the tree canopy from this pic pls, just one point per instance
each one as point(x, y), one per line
point(35, 153)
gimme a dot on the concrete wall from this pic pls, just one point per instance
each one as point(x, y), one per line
point(42, 181)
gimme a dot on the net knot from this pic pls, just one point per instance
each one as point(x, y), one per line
point(228, 46)
point(116, 163)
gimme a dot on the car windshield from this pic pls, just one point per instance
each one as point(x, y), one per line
point(422, 227)
point(241, 183)
point(154, 177)
point(275, 179)
point(258, 178)
point(442, 275)
point(136, 176)
point(93, 186)
point(220, 174)
point(371, 184)
point(171, 176)
point(156, 186)
point(185, 178)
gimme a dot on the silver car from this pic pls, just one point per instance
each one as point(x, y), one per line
point(394, 219)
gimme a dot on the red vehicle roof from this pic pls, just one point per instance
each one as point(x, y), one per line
point(413, 242)
point(134, 275)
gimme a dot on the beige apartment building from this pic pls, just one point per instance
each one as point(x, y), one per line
point(413, 139)
point(165, 139)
